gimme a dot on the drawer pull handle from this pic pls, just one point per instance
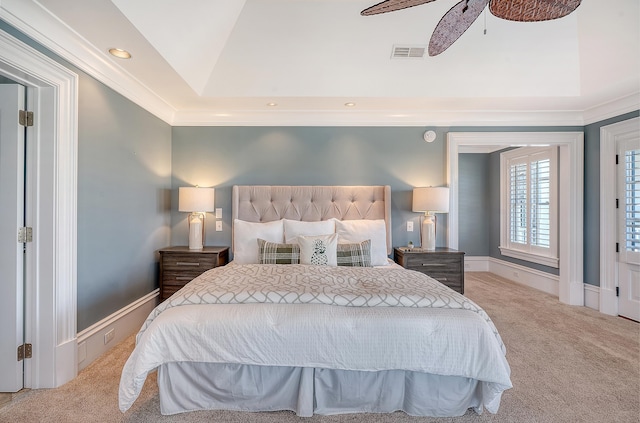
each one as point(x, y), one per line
point(433, 265)
point(183, 278)
point(186, 263)
point(442, 279)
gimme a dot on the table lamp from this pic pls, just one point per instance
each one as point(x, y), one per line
point(430, 200)
point(198, 201)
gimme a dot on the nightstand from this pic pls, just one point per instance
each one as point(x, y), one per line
point(179, 265)
point(446, 265)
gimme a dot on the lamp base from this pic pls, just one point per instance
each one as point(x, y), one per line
point(428, 236)
point(196, 231)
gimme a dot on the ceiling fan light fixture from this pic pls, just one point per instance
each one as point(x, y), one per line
point(120, 53)
point(461, 16)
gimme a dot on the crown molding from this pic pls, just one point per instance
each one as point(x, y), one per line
point(40, 25)
point(620, 106)
point(379, 118)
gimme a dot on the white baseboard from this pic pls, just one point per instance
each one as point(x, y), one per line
point(542, 281)
point(534, 278)
point(476, 263)
point(92, 341)
point(592, 296)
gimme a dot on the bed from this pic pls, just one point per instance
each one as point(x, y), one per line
point(311, 316)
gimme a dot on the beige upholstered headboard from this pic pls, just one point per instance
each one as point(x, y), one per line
point(265, 203)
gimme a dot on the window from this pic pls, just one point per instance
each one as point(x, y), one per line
point(529, 205)
point(631, 192)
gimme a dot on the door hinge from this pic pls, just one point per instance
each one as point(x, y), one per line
point(24, 351)
point(617, 203)
point(616, 159)
point(25, 118)
point(617, 247)
point(617, 291)
point(25, 234)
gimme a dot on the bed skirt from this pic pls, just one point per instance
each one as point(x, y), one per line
point(306, 391)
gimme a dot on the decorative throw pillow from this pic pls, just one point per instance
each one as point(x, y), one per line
point(318, 250)
point(356, 254)
point(360, 230)
point(294, 228)
point(245, 234)
point(275, 253)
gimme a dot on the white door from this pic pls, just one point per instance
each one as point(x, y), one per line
point(12, 136)
point(628, 186)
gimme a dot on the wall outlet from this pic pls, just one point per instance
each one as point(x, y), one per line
point(218, 213)
point(219, 226)
point(409, 226)
point(108, 337)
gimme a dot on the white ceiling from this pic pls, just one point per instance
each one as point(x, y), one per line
point(220, 62)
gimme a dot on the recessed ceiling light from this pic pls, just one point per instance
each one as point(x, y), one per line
point(349, 104)
point(272, 104)
point(120, 53)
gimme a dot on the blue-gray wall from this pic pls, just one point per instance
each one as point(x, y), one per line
point(124, 181)
point(225, 156)
point(474, 206)
point(398, 156)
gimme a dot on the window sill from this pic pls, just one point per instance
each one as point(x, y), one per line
point(531, 257)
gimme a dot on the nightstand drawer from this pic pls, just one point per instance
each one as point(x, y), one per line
point(178, 278)
point(437, 262)
point(186, 262)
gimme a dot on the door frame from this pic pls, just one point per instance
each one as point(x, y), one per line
point(609, 136)
point(50, 300)
point(571, 159)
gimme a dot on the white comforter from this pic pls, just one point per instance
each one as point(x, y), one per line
point(344, 318)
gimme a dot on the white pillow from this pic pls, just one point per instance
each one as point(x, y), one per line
point(295, 228)
point(245, 238)
point(319, 250)
point(361, 230)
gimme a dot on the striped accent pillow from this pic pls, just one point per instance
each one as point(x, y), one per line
point(275, 253)
point(355, 254)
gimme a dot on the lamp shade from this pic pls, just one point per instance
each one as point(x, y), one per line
point(195, 199)
point(431, 199)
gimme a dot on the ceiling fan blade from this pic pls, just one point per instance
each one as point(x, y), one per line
point(454, 23)
point(532, 10)
point(392, 6)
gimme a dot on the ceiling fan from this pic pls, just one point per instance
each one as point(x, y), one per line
point(460, 17)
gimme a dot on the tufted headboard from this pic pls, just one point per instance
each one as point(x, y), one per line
point(265, 203)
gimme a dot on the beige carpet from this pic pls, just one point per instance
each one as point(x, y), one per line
point(569, 364)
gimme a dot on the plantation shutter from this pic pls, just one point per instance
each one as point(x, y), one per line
point(518, 203)
point(632, 200)
point(540, 222)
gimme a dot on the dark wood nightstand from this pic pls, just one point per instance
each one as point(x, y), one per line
point(179, 265)
point(446, 265)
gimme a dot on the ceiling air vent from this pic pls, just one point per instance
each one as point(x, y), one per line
point(408, 52)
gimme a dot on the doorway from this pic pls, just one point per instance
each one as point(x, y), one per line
point(50, 300)
point(571, 159)
point(619, 270)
